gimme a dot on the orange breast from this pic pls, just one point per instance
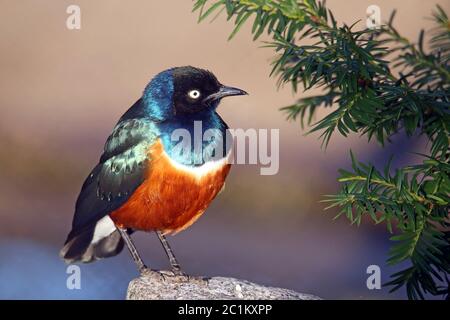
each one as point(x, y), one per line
point(172, 197)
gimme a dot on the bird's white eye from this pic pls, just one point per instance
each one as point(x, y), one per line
point(194, 94)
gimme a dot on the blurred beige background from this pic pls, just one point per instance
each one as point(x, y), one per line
point(61, 92)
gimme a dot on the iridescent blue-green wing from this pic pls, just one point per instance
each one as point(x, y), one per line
point(120, 171)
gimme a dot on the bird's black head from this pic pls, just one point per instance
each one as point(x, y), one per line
point(185, 90)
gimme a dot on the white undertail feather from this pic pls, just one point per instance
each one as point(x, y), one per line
point(103, 228)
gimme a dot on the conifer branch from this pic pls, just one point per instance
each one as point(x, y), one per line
point(380, 83)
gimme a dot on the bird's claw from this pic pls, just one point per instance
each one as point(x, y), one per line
point(144, 269)
point(178, 273)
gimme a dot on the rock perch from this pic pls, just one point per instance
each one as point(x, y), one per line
point(161, 285)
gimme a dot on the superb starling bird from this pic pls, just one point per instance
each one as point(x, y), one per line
point(143, 181)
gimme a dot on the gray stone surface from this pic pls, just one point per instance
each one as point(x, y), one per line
point(162, 285)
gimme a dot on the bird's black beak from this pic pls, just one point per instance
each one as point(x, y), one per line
point(224, 91)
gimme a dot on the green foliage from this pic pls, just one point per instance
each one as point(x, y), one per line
point(417, 198)
point(380, 83)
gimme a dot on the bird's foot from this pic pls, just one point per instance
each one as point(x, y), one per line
point(178, 272)
point(145, 271)
point(142, 268)
point(175, 273)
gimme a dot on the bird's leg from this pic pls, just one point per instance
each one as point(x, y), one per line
point(133, 251)
point(176, 269)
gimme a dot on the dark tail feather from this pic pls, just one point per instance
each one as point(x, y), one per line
point(80, 248)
